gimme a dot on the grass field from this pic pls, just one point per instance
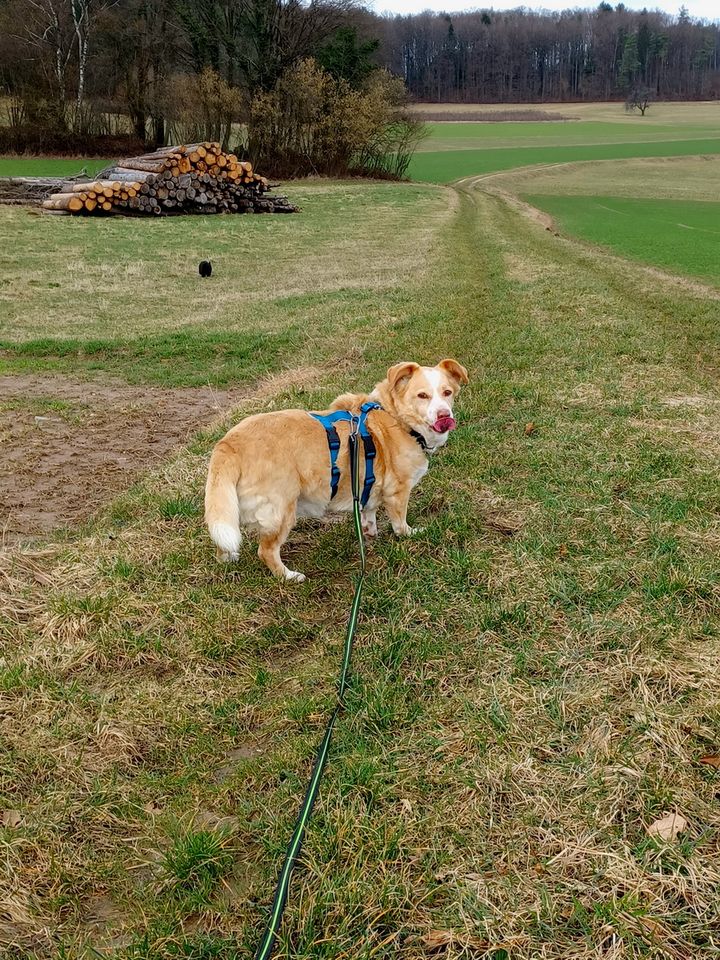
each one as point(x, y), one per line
point(124, 295)
point(662, 212)
point(604, 132)
point(670, 178)
point(448, 164)
point(679, 235)
point(537, 675)
point(49, 166)
point(677, 113)
point(538, 672)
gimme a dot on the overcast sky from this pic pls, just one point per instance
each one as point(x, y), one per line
point(709, 9)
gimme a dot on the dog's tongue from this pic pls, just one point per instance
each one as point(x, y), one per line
point(444, 425)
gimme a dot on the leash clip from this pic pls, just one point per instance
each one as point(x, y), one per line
point(354, 426)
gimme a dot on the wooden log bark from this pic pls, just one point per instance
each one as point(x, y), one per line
point(64, 201)
point(124, 174)
point(147, 166)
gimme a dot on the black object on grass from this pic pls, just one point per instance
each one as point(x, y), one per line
point(205, 268)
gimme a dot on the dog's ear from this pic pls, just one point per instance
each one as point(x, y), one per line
point(400, 372)
point(455, 370)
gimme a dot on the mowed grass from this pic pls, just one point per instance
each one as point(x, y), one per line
point(536, 677)
point(670, 178)
point(677, 113)
point(125, 296)
point(679, 235)
point(661, 212)
point(605, 132)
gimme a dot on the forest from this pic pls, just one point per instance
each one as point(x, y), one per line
point(522, 56)
point(327, 76)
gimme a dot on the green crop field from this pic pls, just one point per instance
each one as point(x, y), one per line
point(446, 165)
point(604, 132)
point(49, 166)
point(457, 135)
point(537, 672)
point(678, 235)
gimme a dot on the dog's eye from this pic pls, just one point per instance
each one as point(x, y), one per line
point(423, 396)
point(447, 393)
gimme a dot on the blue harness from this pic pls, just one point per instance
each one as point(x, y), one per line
point(357, 423)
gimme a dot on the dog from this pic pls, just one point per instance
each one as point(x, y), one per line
point(273, 468)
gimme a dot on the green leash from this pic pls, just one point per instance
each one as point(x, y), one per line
point(267, 943)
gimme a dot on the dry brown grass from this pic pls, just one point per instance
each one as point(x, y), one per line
point(672, 178)
point(79, 272)
point(677, 113)
point(433, 114)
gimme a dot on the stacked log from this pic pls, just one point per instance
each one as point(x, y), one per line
point(102, 196)
point(194, 178)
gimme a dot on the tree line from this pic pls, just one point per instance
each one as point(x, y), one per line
point(521, 56)
point(316, 85)
point(294, 85)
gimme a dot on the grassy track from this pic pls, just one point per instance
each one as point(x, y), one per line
point(536, 679)
point(678, 235)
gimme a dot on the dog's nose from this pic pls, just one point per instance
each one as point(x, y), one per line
point(444, 412)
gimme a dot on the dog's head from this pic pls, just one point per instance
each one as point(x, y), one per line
point(423, 396)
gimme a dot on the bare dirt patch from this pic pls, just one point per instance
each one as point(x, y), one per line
point(69, 446)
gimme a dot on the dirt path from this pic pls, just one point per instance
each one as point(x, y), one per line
point(67, 446)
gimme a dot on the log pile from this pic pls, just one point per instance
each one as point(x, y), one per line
point(195, 178)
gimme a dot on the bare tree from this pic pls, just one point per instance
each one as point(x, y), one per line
point(252, 42)
point(47, 31)
point(640, 99)
point(84, 14)
point(58, 34)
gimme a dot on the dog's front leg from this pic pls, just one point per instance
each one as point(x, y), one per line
point(369, 522)
point(396, 504)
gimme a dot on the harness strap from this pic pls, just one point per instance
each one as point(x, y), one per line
point(357, 422)
point(334, 444)
point(369, 448)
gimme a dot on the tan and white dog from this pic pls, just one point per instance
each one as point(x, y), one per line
point(272, 468)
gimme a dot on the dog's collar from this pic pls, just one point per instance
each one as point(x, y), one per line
point(417, 437)
point(420, 439)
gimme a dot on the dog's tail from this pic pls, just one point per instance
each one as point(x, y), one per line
point(222, 511)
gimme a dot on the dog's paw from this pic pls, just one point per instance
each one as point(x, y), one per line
point(407, 531)
point(294, 576)
point(369, 528)
point(224, 557)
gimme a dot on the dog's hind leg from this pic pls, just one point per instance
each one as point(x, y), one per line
point(269, 548)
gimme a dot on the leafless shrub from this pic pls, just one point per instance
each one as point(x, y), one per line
point(313, 123)
point(201, 107)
